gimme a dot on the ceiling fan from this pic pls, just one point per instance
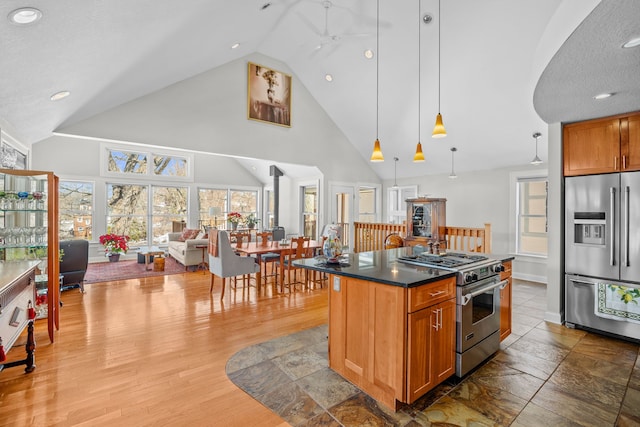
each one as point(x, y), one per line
point(327, 38)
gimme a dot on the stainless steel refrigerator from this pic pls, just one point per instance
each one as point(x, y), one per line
point(602, 253)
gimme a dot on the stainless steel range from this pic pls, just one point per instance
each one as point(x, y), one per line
point(477, 303)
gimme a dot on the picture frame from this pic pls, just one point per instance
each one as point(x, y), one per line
point(268, 95)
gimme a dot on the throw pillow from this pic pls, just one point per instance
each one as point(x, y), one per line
point(188, 233)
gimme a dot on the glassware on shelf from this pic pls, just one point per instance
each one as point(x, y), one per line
point(40, 200)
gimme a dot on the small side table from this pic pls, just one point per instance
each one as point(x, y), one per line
point(147, 253)
point(42, 281)
point(203, 264)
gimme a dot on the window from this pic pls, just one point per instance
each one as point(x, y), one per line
point(397, 207)
point(310, 211)
point(531, 235)
point(367, 204)
point(168, 204)
point(124, 162)
point(212, 201)
point(76, 210)
point(213, 205)
point(127, 211)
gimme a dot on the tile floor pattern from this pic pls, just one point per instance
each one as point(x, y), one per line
point(544, 375)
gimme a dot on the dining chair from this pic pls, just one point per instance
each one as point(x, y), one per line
point(298, 249)
point(240, 237)
point(277, 234)
point(225, 263)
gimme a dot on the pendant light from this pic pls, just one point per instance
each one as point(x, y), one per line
point(439, 131)
point(453, 174)
point(536, 160)
point(419, 156)
point(395, 172)
point(377, 156)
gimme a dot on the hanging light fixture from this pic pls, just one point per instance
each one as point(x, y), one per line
point(377, 156)
point(419, 156)
point(395, 172)
point(536, 160)
point(439, 131)
point(453, 174)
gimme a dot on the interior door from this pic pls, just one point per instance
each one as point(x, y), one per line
point(342, 211)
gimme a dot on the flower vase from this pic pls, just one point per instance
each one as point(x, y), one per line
point(234, 225)
point(114, 257)
point(251, 225)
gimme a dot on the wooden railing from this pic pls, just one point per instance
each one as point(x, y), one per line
point(467, 239)
point(370, 237)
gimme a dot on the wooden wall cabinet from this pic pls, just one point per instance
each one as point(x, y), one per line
point(506, 302)
point(606, 145)
point(29, 228)
point(426, 221)
point(394, 343)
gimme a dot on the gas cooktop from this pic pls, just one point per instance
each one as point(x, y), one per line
point(448, 260)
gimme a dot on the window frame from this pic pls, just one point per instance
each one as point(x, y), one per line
point(514, 223)
point(106, 148)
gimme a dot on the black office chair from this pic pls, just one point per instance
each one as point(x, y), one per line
point(73, 266)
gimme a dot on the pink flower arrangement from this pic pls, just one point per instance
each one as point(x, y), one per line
point(234, 217)
point(114, 244)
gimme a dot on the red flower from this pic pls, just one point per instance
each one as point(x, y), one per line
point(114, 243)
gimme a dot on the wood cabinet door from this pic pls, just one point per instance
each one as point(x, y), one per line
point(592, 147)
point(630, 142)
point(421, 336)
point(505, 302)
point(431, 348)
point(444, 360)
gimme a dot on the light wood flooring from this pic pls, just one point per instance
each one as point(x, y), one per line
point(151, 352)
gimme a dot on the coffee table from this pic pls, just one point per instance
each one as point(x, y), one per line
point(148, 252)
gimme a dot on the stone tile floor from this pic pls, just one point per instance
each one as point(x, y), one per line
point(544, 375)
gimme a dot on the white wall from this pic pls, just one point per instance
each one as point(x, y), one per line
point(480, 197)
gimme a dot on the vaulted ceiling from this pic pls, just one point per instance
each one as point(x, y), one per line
point(506, 66)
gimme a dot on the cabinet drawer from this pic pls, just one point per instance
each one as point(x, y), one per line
point(507, 270)
point(433, 293)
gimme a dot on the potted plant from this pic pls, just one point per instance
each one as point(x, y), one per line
point(251, 221)
point(114, 245)
point(234, 218)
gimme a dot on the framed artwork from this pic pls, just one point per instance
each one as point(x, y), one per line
point(269, 95)
point(10, 156)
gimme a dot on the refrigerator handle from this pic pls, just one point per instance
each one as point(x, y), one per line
point(612, 201)
point(625, 235)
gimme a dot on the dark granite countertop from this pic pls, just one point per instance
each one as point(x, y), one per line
point(378, 266)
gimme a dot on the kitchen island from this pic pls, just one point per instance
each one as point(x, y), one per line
point(391, 325)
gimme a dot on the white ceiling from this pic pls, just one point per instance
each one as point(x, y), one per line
point(492, 55)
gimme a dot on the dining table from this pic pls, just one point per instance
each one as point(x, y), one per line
point(259, 248)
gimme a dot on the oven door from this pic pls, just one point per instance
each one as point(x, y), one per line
point(478, 315)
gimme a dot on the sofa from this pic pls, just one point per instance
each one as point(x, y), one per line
point(184, 250)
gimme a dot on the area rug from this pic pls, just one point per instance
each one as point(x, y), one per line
point(122, 270)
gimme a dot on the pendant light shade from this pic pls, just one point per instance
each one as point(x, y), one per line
point(453, 174)
point(395, 172)
point(419, 156)
point(439, 130)
point(377, 156)
point(536, 160)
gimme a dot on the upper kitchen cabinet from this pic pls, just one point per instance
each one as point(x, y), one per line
point(611, 144)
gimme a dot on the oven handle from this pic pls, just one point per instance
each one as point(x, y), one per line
point(466, 298)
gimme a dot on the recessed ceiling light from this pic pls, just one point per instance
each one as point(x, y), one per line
point(235, 45)
point(328, 77)
point(60, 95)
point(368, 54)
point(632, 43)
point(25, 15)
point(602, 95)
